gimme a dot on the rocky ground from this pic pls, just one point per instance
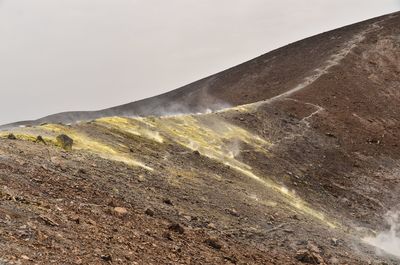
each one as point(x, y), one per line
point(302, 177)
point(232, 187)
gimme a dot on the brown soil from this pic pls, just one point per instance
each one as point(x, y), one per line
point(299, 178)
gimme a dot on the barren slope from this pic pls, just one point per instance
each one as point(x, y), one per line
point(302, 176)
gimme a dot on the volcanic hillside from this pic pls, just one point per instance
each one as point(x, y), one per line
point(300, 169)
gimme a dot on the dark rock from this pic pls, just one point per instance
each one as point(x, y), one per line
point(177, 228)
point(232, 212)
point(40, 139)
point(81, 171)
point(168, 201)
point(106, 257)
point(214, 243)
point(65, 142)
point(11, 137)
point(149, 212)
point(329, 134)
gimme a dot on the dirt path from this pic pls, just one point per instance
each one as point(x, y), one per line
point(333, 61)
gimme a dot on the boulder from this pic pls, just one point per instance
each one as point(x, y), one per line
point(149, 212)
point(11, 137)
point(214, 243)
point(65, 142)
point(175, 227)
point(40, 139)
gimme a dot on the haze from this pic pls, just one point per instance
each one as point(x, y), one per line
point(90, 54)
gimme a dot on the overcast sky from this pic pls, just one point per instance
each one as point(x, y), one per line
point(59, 55)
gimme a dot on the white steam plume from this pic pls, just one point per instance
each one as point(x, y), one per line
point(388, 241)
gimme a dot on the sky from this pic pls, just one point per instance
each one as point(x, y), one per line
point(62, 55)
